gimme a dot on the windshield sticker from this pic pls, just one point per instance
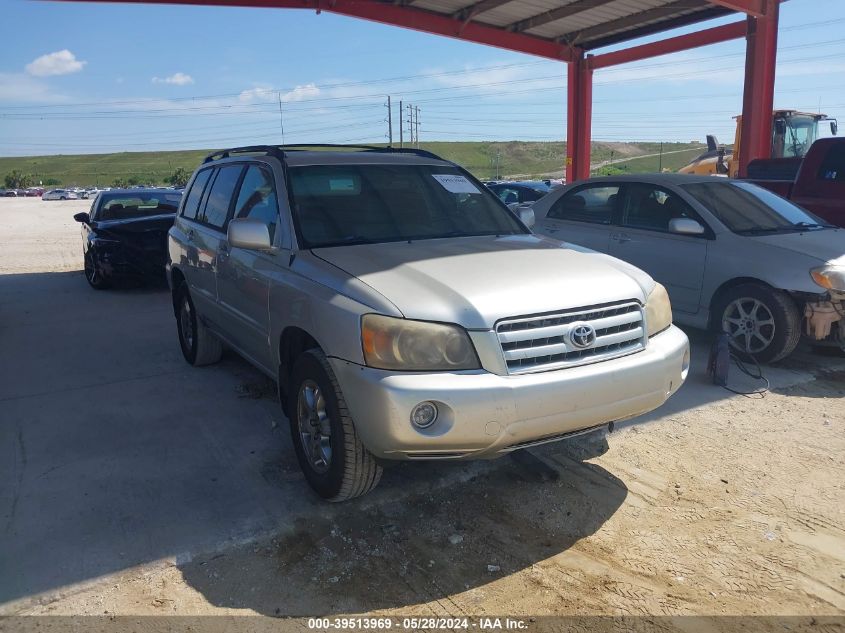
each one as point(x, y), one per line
point(455, 183)
point(342, 184)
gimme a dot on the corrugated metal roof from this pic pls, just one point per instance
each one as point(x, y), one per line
point(588, 24)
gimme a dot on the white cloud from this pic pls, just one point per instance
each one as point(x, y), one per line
point(301, 93)
point(59, 63)
point(260, 91)
point(264, 92)
point(21, 88)
point(176, 79)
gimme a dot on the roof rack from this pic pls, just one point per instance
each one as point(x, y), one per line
point(278, 151)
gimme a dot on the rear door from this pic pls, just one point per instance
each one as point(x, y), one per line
point(644, 240)
point(243, 276)
point(183, 249)
point(583, 216)
point(208, 235)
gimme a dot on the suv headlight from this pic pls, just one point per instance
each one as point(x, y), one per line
point(830, 277)
point(391, 343)
point(658, 310)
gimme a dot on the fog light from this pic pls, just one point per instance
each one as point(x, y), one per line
point(424, 415)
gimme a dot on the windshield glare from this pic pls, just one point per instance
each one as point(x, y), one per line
point(137, 205)
point(747, 208)
point(359, 204)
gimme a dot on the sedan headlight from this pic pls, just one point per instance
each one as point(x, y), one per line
point(830, 277)
point(658, 310)
point(391, 343)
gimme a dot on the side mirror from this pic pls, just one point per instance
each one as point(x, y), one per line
point(780, 127)
point(526, 214)
point(83, 217)
point(250, 234)
point(685, 226)
point(834, 128)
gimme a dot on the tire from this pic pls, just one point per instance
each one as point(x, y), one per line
point(336, 465)
point(762, 323)
point(199, 345)
point(62, 198)
point(93, 275)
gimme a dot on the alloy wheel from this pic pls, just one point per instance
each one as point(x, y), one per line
point(314, 426)
point(750, 324)
point(186, 325)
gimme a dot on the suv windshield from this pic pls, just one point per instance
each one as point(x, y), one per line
point(747, 208)
point(124, 206)
point(361, 204)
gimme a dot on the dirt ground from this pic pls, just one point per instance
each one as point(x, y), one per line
point(718, 505)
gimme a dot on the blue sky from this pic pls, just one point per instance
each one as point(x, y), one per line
point(86, 78)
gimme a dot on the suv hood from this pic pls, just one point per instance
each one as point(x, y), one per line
point(476, 281)
point(825, 245)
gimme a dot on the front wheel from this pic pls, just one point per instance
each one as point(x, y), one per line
point(762, 323)
point(335, 462)
point(93, 275)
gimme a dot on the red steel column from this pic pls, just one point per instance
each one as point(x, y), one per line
point(579, 108)
point(758, 97)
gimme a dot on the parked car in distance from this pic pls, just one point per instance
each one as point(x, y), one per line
point(125, 234)
point(520, 192)
point(59, 194)
point(733, 256)
point(815, 182)
point(405, 313)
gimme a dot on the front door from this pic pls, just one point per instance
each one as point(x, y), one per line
point(243, 277)
point(644, 240)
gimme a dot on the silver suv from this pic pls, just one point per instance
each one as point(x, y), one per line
point(406, 313)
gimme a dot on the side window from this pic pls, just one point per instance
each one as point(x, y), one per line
point(257, 198)
point(192, 199)
point(220, 197)
point(650, 207)
point(507, 195)
point(531, 195)
point(588, 204)
point(833, 165)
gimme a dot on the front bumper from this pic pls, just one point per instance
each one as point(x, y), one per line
point(485, 415)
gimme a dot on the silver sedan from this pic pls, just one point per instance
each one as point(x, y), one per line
point(733, 256)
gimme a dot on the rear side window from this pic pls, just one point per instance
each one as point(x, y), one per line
point(588, 204)
point(833, 165)
point(257, 198)
point(220, 198)
point(192, 200)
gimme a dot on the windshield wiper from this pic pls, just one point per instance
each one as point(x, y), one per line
point(813, 225)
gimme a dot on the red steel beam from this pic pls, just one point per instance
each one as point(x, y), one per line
point(579, 106)
point(398, 15)
point(756, 8)
point(732, 31)
point(755, 131)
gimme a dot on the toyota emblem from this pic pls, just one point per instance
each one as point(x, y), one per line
point(582, 335)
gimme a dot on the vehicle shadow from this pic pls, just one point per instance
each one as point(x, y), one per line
point(382, 552)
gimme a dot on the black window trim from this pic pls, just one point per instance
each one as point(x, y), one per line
point(618, 214)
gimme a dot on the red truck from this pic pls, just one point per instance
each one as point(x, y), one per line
point(815, 182)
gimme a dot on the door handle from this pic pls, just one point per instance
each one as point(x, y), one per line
point(621, 238)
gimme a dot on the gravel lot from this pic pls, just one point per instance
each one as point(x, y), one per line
point(133, 484)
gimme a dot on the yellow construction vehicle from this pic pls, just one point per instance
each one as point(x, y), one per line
point(792, 134)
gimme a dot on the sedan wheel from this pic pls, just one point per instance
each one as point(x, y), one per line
point(750, 325)
point(93, 275)
point(762, 323)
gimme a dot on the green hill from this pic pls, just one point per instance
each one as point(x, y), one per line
point(514, 159)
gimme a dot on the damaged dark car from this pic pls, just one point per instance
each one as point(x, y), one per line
point(124, 236)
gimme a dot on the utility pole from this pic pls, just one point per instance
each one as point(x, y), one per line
point(389, 122)
point(281, 118)
point(660, 160)
point(401, 126)
point(417, 131)
point(411, 123)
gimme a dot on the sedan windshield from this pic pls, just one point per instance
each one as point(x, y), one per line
point(748, 209)
point(125, 206)
point(364, 204)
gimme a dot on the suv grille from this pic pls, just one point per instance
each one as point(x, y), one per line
point(543, 343)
